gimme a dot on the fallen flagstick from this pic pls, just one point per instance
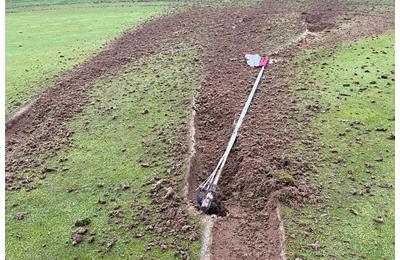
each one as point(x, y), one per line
point(208, 202)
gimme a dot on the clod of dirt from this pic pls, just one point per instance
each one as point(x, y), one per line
point(354, 212)
point(20, 215)
point(125, 185)
point(385, 186)
point(391, 136)
point(48, 170)
point(116, 214)
point(315, 23)
point(144, 164)
point(185, 228)
point(91, 239)
point(101, 201)
point(111, 243)
point(149, 227)
point(132, 225)
point(312, 18)
point(83, 222)
point(163, 247)
point(81, 230)
point(182, 254)
point(381, 129)
point(70, 189)
point(314, 246)
point(76, 239)
point(284, 177)
point(378, 159)
point(378, 220)
point(356, 122)
point(170, 193)
point(158, 184)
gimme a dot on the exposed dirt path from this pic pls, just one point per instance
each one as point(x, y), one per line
point(252, 229)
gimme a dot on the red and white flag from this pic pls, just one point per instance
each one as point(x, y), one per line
point(255, 60)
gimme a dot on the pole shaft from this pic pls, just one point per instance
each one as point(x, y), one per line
point(237, 127)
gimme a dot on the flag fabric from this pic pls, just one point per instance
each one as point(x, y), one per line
point(255, 60)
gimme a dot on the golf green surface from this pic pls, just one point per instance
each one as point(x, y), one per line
point(44, 41)
point(354, 92)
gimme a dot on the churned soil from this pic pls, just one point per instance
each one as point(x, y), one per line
point(252, 183)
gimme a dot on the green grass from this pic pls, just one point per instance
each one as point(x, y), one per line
point(111, 136)
point(11, 4)
point(354, 88)
point(42, 42)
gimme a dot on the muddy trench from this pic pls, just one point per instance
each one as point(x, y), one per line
point(252, 227)
point(252, 224)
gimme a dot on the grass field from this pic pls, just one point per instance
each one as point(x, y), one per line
point(45, 38)
point(12, 4)
point(354, 86)
point(112, 136)
point(43, 42)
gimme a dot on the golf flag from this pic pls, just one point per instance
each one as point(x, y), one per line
point(255, 60)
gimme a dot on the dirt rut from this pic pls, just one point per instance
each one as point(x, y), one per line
point(250, 187)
